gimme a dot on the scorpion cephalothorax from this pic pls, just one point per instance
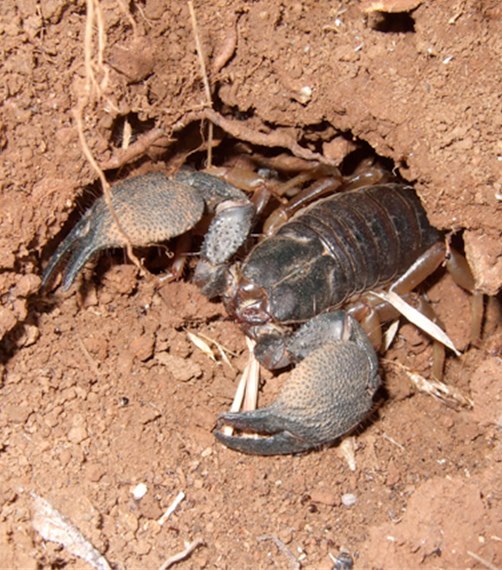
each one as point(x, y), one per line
point(287, 292)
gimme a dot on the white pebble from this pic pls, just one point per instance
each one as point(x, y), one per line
point(349, 499)
point(139, 491)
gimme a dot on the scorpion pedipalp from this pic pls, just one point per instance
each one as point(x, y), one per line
point(328, 393)
point(150, 209)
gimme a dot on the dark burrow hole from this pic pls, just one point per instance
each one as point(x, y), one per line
point(136, 125)
point(393, 23)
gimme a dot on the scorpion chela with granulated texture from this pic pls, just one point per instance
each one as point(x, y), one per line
point(288, 292)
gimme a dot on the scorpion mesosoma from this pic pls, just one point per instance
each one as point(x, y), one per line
point(288, 291)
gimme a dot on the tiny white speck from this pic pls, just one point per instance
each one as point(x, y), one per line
point(139, 491)
point(349, 499)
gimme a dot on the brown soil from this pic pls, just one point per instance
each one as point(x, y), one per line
point(101, 388)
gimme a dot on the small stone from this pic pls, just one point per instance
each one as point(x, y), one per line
point(142, 347)
point(182, 369)
point(94, 472)
point(142, 547)
point(349, 500)
point(77, 434)
point(7, 320)
point(147, 414)
point(29, 336)
point(127, 522)
point(27, 285)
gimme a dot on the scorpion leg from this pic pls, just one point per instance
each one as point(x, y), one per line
point(459, 269)
point(329, 393)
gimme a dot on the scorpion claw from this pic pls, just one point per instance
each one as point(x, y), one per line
point(329, 393)
point(149, 208)
point(276, 440)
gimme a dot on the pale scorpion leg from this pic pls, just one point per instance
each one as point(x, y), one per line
point(328, 393)
point(372, 311)
point(462, 275)
point(438, 349)
point(459, 269)
point(153, 208)
point(323, 186)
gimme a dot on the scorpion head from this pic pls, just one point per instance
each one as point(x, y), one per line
point(245, 301)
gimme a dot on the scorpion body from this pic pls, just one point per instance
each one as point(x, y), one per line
point(334, 250)
point(287, 291)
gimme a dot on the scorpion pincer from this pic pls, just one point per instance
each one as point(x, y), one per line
point(288, 291)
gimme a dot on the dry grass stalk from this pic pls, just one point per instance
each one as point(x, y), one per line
point(448, 395)
point(417, 318)
point(172, 507)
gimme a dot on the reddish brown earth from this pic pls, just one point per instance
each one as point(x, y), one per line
point(101, 388)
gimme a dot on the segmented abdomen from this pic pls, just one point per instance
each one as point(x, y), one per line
point(338, 247)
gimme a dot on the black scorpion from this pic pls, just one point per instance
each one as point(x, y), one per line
point(287, 292)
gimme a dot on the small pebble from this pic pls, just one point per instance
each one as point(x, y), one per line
point(349, 499)
point(139, 491)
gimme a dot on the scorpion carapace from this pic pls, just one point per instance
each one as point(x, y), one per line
point(335, 249)
point(287, 291)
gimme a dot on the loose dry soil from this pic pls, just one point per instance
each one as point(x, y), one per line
point(101, 388)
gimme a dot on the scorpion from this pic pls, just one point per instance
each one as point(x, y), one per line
point(302, 294)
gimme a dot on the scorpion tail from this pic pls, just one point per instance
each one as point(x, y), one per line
point(328, 394)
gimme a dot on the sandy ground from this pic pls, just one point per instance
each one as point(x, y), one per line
point(102, 390)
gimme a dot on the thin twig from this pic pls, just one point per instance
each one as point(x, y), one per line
point(88, 35)
point(205, 80)
point(483, 561)
point(273, 139)
point(417, 318)
point(253, 380)
point(294, 563)
point(448, 395)
point(189, 548)
point(393, 441)
point(94, 15)
point(77, 113)
point(172, 507)
point(90, 361)
point(139, 147)
point(123, 6)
